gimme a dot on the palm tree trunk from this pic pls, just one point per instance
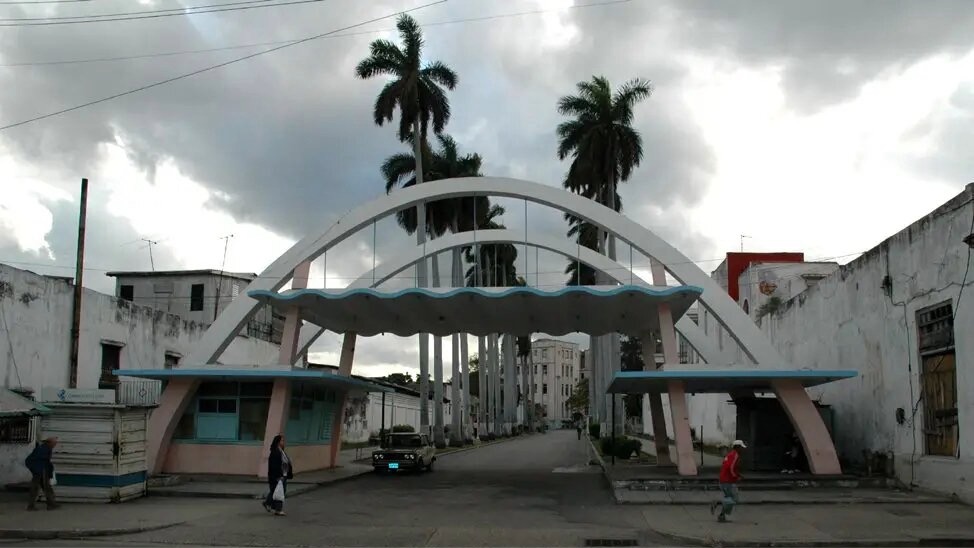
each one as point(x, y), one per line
point(496, 387)
point(532, 419)
point(465, 375)
point(456, 435)
point(524, 390)
point(421, 281)
point(482, 388)
point(510, 381)
point(615, 351)
point(439, 437)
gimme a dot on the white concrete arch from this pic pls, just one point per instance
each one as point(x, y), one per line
point(613, 269)
point(715, 299)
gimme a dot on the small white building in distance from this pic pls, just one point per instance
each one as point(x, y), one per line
point(557, 369)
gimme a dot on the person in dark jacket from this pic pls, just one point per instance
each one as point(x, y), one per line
point(41, 471)
point(279, 469)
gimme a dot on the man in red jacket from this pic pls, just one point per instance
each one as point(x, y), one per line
point(730, 474)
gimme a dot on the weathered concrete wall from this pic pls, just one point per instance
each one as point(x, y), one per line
point(35, 338)
point(35, 316)
point(848, 320)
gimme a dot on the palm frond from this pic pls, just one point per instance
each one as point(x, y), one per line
point(412, 38)
point(438, 73)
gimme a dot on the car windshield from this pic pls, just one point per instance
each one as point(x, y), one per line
point(405, 441)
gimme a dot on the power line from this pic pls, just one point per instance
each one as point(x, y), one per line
point(141, 12)
point(278, 42)
point(209, 68)
point(39, 2)
point(106, 18)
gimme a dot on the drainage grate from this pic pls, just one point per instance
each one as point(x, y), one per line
point(611, 542)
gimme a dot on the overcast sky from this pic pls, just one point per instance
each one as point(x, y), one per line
point(821, 127)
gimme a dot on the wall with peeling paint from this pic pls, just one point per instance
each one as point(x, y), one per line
point(35, 341)
point(853, 320)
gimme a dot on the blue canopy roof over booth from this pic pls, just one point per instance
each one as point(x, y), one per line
point(721, 381)
point(238, 374)
point(595, 310)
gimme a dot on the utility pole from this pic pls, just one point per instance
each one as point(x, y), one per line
point(150, 243)
point(78, 280)
point(219, 283)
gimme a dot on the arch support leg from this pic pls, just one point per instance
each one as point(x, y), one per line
point(681, 429)
point(808, 423)
point(345, 369)
point(162, 423)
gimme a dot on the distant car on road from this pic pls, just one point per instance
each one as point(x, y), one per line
point(404, 451)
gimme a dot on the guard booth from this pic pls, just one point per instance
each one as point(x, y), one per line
point(100, 456)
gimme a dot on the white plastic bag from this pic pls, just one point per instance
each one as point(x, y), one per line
point(279, 492)
point(53, 479)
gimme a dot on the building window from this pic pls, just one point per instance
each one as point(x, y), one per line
point(544, 388)
point(111, 359)
point(235, 290)
point(544, 354)
point(227, 411)
point(15, 430)
point(196, 297)
point(938, 379)
point(127, 292)
point(171, 360)
point(544, 370)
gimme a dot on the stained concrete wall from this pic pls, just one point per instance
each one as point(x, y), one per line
point(848, 320)
point(35, 339)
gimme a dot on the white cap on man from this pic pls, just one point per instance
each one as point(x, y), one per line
point(741, 444)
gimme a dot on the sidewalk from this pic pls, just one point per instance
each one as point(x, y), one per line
point(804, 496)
point(818, 525)
point(253, 488)
point(92, 520)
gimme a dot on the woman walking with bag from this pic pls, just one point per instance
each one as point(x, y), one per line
point(279, 470)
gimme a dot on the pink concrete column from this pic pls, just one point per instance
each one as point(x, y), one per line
point(681, 429)
point(345, 369)
point(656, 405)
point(292, 319)
point(172, 404)
point(809, 425)
point(276, 420)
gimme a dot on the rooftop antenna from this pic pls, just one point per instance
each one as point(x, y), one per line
point(149, 244)
point(742, 241)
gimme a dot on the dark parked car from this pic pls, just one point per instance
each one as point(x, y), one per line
point(404, 451)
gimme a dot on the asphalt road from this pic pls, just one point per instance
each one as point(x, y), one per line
point(536, 490)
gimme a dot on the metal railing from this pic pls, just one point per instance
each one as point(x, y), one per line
point(138, 392)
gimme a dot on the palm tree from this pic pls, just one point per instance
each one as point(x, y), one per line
point(600, 139)
point(495, 266)
point(605, 149)
point(415, 89)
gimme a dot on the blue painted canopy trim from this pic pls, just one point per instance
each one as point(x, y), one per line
point(230, 373)
point(595, 310)
point(98, 480)
point(724, 381)
point(478, 291)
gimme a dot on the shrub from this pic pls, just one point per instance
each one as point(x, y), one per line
point(594, 430)
point(403, 428)
point(622, 448)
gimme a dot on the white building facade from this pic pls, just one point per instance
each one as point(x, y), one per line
point(557, 368)
point(35, 334)
point(900, 316)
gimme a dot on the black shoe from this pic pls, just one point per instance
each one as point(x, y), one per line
point(722, 518)
point(267, 507)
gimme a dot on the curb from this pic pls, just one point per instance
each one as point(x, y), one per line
point(865, 543)
point(482, 445)
point(76, 534)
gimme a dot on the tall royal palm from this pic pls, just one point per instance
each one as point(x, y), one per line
point(417, 91)
point(600, 139)
point(605, 149)
point(446, 162)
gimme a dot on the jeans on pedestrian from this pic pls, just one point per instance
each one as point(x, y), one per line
point(276, 505)
point(730, 498)
point(38, 483)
